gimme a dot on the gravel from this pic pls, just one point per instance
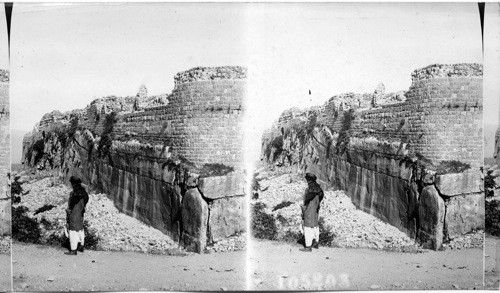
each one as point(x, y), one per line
point(232, 243)
point(5, 243)
point(352, 227)
point(471, 240)
point(116, 231)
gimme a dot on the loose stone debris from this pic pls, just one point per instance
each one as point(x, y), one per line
point(116, 231)
point(351, 226)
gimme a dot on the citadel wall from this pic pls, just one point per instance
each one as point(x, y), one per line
point(414, 164)
point(177, 167)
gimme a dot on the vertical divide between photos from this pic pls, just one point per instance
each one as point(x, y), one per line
point(5, 202)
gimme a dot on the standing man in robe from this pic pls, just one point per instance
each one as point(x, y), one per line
point(76, 209)
point(310, 213)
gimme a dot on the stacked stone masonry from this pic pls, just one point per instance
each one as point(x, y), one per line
point(151, 161)
point(414, 162)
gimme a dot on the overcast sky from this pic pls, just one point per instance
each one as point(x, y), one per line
point(64, 56)
point(491, 80)
point(342, 47)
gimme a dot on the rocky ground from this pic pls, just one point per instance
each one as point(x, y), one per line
point(47, 268)
point(5, 273)
point(5, 243)
point(276, 265)
point(115, 231)
point(492, 262)
point(349, 226)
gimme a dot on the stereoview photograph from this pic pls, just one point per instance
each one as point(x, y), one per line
point(371, 177)
point(132, 175)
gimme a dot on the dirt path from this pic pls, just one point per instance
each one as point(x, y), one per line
point(38, 268)
point(275, 265)
point(491, 258)
point(5, 277)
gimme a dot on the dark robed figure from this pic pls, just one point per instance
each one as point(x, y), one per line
point(310, 212)
point(78, 199)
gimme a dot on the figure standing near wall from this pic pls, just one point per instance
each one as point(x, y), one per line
point(76, 209)
point(310, 213)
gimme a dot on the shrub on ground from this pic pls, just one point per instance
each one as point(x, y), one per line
point(492, 220)
point(24, 228)
point(263, 224)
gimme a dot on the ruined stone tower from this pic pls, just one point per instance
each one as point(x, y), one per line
point(176, 165)
point(413, 161)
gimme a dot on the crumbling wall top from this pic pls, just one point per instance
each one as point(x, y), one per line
point(447, 70)
point(210, 73)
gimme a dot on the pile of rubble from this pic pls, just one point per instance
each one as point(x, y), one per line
point(5, 243)
point(351, 227)
point(232, 243)
point(470, 240)
point(115, 231)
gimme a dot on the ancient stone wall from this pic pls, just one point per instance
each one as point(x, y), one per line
point(5, 211)
point(414, 162)
point(175, 164)
point(202, 121)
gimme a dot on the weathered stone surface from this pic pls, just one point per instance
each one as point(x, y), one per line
point(192, 181)
point(222, 186)
point(5, 217)
point(195, 220)
point(459, 183)
point(227, 217)
point(431, 214)
point(464, 213)
point(386, 197)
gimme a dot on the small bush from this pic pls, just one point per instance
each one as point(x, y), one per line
point(59, 239)
point(263, 224)
point(91, 239)
point(294, 237)
point(267, 151)
point(492, 219)
point(72, 127)
point(448, 167)
point(311, 123)
point(277, 143)
point(24, 228)
point(282, 204)
point(107, 136)
point(38, 146)
point(16, 188)
point(489, 184)
point(344, 133)
point(326, 237)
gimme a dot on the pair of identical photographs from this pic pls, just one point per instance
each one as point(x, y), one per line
point(191, 127)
